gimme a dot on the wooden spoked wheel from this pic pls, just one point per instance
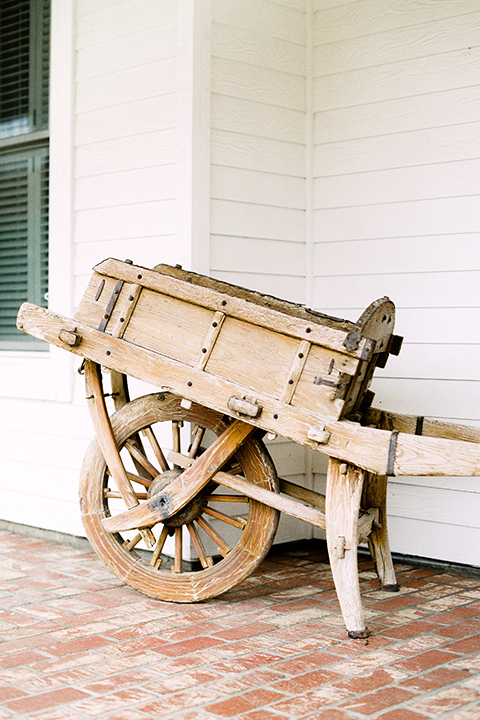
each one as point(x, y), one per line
point(229, 534)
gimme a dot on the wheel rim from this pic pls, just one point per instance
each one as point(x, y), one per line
point(229, 534)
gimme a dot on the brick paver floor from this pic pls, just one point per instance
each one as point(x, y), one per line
point(76, 643)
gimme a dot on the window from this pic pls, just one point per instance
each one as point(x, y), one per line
point(24, 75)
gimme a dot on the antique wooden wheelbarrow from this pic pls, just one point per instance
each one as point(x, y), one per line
point(232, 365)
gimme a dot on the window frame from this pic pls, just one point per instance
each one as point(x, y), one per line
point(32, 145)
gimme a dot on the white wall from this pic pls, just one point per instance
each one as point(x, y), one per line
point(258, 145)
point(396, 213)
point(114, 162)
point(319, 150)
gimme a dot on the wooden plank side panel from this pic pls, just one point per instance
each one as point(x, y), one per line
point(169, 326)
point(249, 355)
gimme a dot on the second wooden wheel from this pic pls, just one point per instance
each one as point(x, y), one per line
point(215, 541)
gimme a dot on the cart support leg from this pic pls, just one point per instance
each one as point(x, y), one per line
point(375, 495)
point(342, 506)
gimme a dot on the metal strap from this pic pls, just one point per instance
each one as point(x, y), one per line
point(419, 425)
point(391, 453)
point(111, 304)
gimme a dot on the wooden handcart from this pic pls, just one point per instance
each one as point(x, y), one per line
point(230, 366)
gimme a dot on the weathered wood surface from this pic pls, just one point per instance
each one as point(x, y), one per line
point(187, 485)
point(343, 496)
point(366, 447)
point(240, 559)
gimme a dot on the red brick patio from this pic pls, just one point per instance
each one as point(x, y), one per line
point(76, 643)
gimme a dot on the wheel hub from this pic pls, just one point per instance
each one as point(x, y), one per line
point(187, 514)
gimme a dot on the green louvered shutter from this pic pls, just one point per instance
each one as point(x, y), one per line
point(23, 240)
point(24, 97)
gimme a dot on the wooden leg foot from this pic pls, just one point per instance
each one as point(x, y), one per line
point(342, 505)
point(375, 495)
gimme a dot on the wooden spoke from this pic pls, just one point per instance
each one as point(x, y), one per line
point(198, 434)
point(116, 495)
point(178, 565)
point(236, 522)
point(130, 544)
point(154, 444)
point(222, 546)
point(197, 543)
point(176, 446)
point(137, 429)
point(227, 498)
point(156, 560)
point(235, 469)
point(136, 478)
point(139, 456)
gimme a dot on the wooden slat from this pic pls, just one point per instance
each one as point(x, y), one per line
point(260, 314)
point(295, 371)
point(187, 485)
point(286, 505)
point(363, 446)
point(210, 340)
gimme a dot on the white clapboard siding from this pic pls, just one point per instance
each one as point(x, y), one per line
point(271, 256)
point(122, 19)
point(126, 188)
point(396, 192)
point(443, 361)
point(395, 185)
point(257, 118)
point(150, 149)
point(273, 19)
point(258, 104)
point(440, 289)
point(251, 47)
point(409, 42)
point(360, 19)
point(403, 149)
point(257, 153)
point(404, 115)
point(145, 219)
point(126, 52)
point(458, 545)
point(31, 377)
point(436, 398)
point(287, 286)
point(437, 73)
point(132, 83)
point(148, 115)
point(430, 254)
point(247, 186)
point(147, 251)
point(436, 216)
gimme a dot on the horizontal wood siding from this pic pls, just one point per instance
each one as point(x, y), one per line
point(125, 125)
point(396, 193)
point(257, 145)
